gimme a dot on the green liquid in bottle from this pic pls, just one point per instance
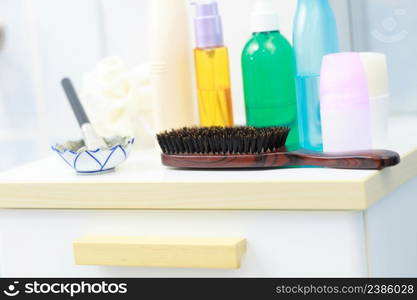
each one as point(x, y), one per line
point(269, 84)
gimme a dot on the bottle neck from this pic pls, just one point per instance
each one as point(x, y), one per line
point(208, 26)
point(264, 17)
point(310, 3)
point(314, 1)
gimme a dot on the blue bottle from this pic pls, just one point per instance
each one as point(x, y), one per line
point(315, 35)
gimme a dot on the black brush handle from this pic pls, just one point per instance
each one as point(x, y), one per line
point(75, 102)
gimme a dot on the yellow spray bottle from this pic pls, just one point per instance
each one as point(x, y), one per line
point(212, 68)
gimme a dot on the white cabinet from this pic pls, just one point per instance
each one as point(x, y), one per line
point(39, 243)
point(380, 242)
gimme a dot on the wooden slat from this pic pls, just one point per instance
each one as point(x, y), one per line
point(163, 252)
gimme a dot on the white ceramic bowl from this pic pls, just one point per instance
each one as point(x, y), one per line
point(84, 161)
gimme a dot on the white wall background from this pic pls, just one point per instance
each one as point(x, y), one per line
point(390, 27)
point(49, 39)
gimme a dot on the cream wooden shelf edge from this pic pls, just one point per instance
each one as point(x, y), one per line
point(144, 184)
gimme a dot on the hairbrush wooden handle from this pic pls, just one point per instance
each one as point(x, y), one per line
point(365, 160)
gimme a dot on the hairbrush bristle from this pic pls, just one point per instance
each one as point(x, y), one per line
point(221, 140)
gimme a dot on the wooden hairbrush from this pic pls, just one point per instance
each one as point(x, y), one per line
point(248, 147)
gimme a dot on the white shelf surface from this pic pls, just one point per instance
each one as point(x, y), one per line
point(143, 183)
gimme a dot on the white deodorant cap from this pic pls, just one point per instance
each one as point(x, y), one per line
point(376, 69)
point(376, 72)
point(265, 16)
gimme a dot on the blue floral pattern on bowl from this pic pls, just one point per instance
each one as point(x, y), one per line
point(85, 161)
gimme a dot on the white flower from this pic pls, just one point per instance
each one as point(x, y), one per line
point(119, 100)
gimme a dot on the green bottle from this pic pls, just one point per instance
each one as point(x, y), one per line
point(268, 67)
